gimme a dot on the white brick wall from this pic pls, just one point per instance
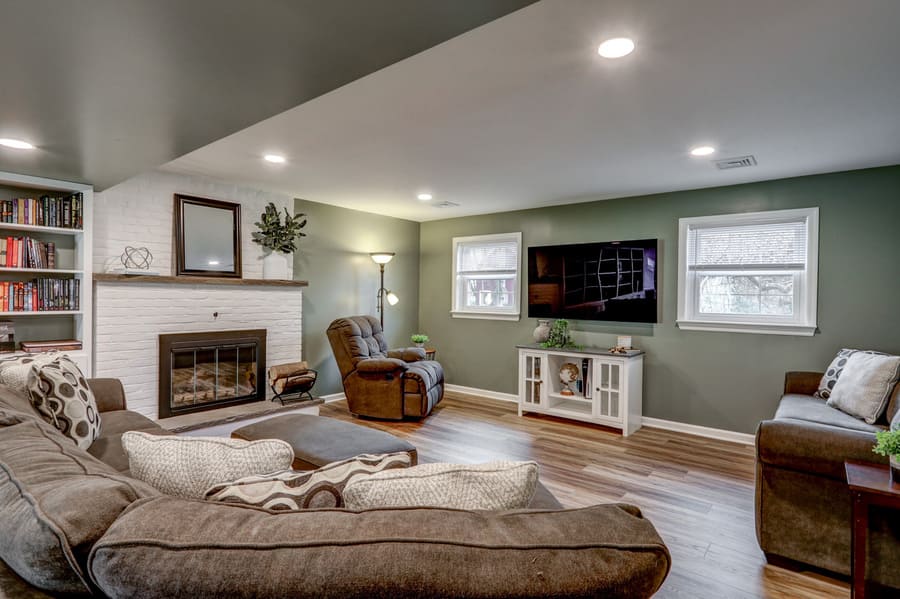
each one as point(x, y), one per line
point(128, 317)
point(140, 212)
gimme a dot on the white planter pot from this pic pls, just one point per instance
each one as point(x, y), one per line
point(275, 265)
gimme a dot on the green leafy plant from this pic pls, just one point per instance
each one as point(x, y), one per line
point(559, 335)
point(888, 443)
point(277, 236)
point(419, 338)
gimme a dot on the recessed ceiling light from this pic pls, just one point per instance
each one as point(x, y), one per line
point(16, 143)
point(616, 47)
point(276, 158)
point(702, 151)
point(425, 197)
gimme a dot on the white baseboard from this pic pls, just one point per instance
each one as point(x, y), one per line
point(483, 393)
point(700, 431)
point(332, 397)
point(669, 425)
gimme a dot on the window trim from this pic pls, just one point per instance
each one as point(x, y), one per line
point(461, 312)
point(805, 322)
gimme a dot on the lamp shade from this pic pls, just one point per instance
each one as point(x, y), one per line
point(392, 298)
point(381, 257)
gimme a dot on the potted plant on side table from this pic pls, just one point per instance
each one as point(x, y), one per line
point(278, 239)
point(419, 339)
point(889, 444)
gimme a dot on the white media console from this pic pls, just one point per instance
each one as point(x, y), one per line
point(608, 389)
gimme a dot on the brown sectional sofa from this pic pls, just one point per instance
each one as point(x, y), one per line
point(803, 508)
point(73, 522)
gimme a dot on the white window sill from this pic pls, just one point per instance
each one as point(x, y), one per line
point(486, 315)
point(747, 327)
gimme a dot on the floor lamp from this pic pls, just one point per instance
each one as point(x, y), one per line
point(382, 258)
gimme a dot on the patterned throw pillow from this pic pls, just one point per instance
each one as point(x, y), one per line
point(188, 466)
point(833, 373)
point(490, 486)
point(293, 490)
point(61, 395)
point(15, 371)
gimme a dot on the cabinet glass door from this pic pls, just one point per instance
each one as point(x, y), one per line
point(533, 373)
point(608, 389)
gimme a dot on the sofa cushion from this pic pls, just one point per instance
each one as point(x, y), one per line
point(865, 385)
point(62, 396)
point(207, 549)
point(893, 407)
point(293, 490)
point(55, 501)
point(489, 486)
point(108, 447)
point(188, 466)
point(812, 409)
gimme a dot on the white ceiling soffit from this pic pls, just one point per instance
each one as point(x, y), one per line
point(522, 112)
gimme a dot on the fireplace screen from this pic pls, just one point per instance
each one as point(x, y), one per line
point(198, 372)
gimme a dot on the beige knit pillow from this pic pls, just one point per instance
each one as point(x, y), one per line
point(188, 466)
point(490, 486)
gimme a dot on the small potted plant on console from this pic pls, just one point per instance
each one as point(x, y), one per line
point(889, 444)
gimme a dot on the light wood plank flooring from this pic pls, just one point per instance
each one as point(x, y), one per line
point(697, 492)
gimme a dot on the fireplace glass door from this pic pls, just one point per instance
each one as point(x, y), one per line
point(221, 373)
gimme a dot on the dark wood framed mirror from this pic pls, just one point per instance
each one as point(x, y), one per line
point(207, 237)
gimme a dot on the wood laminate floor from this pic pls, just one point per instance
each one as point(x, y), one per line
point(697, 492)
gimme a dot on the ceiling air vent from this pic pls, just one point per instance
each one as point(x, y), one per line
point(445, 204)
point(739, 162)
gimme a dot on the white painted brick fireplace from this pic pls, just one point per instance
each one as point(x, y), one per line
point(129, 317)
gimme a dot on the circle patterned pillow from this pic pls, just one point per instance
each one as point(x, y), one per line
point(15, 371)
point(61, 395)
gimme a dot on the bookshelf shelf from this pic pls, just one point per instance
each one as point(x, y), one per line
point(39, 229)
point(42, 313)
point(56, 271)
point(73, 252)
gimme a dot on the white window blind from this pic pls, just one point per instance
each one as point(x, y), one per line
point(769, 246)
point(486, 276)
point(752, 272)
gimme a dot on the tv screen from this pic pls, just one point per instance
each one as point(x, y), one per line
point(613, 280)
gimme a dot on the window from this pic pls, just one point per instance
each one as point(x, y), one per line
point(486, 276)
point(752, 273)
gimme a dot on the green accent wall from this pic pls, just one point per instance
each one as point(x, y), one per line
point(722, 380)
point(343, 280)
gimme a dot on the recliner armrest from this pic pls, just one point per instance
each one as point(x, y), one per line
point(380, 365)
point(811, 447)
point(407, 354)
point(802, 383)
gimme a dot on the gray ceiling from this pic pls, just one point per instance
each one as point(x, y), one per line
point(109, 88)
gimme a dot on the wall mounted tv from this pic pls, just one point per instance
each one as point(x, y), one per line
point(613, 280)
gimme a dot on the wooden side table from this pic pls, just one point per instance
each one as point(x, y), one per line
point(430, 353)
point(870, 484)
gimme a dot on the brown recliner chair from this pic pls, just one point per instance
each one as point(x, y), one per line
point(379, 382)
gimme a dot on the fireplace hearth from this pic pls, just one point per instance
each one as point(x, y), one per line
point(207, 370)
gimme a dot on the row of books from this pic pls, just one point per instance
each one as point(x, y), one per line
point(26, 252)
point(40, 295)
point(66, 212)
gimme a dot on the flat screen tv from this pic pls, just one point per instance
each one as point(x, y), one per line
point(612, 280)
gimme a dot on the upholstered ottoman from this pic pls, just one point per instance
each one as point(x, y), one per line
point(319, 440)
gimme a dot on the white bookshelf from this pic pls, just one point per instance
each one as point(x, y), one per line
point(74, 256)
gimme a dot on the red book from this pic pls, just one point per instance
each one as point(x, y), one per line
point(9, 251)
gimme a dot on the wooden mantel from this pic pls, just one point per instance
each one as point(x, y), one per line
point(150, 279)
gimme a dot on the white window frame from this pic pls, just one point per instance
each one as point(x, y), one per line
point(459, 310)
point(802, 323)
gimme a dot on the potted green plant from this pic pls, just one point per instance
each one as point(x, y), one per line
point(419, 339)
point(889, 444)
point(279, 239)
point(559, 335)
